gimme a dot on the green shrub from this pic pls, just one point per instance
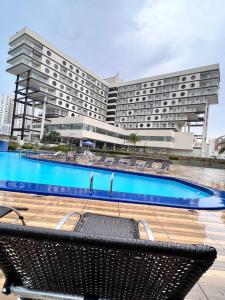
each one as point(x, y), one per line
point(13, 145)
point(27, 146)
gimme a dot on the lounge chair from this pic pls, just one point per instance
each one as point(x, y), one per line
point(147, 165)
point(103, 259)
point(71, 155)
point(5, 210)
point(111, 162)
point(132, 163)
point(56, 154)
point(164, 168)
point(101, 160)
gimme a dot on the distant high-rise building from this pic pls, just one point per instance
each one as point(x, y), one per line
point(162, 109)
point(6, 114)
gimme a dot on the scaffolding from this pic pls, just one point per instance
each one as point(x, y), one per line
point(28, 96)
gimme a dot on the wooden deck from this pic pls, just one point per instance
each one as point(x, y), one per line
point(168, 224)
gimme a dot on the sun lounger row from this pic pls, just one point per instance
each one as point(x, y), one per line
point(132, 163)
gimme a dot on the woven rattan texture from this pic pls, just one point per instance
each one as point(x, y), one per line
point(111, 268)
point(107, 226)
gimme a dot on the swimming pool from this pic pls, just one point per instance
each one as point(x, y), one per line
point(39, 176)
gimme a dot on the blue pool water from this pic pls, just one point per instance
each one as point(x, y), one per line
point(15, 168)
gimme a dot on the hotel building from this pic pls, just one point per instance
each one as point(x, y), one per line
point(163, 110)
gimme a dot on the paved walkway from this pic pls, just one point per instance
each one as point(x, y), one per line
point(168, 224)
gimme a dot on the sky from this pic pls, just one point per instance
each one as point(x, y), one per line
point(137, 38)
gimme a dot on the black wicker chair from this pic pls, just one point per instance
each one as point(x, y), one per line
point(103, 259)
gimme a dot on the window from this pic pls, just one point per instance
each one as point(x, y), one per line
point(60, 102)
point(67, 105)
point(129, 112)
point(83, 74)
point(73, 107)
point(141, 125)
point(165, 103)
point(192, 84)
point(77, 71)
point(164, 110)
point(193, 77)
point(81, 88)
point(156, 110)
point(47, 61)
point(183, 78)
point(183, 86)
point(137, 93)
point(148, 118)
point(70, 74)
point(90, 114)
point(81, 96)
point(60, 94)
point(76, 78)
point(137, 99)
point(71, 67)
point(143, 98)
point(145, 84)
point(56, 66)
point(54, 83)
point(173, 102)
point(174, 95)
point(152, 84)
point(72, 115)
point(159, 82)
point(64, 62)
point(82, 81)
point(144, 92)
point(75, 85)
point(148, 125)
point(151, 91)
point(68, 97)
point(46, 70)
point(156, 117)
point(182, 94)
point(49, 53)
point(55, 75)
point(131, 100)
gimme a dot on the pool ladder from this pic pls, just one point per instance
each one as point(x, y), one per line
point(92, 181)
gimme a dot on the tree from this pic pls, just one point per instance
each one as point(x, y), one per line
point(222, 150)
point(50, 136)
point(133, 138)
point(53, 136)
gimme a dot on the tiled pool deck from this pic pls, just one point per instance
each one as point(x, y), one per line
point(168, 224)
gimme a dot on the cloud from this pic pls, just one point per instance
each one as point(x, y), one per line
point(188, 32)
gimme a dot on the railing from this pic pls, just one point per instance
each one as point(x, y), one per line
point(111, 184)
point(91, 183)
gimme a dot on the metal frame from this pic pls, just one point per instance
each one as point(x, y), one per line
point(25, 94)
point(35, 294)
point(147, 229)
point(66, 217)
point(16, 212)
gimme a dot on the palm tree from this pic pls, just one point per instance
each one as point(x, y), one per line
point(53, 136)
point(133, 138)
point(222, 150)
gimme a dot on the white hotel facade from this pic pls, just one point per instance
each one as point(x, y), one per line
point(162, 110)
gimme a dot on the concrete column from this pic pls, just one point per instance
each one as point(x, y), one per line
point(31, 123)
point(43, 118)
point(81, 143)
point(205, 131)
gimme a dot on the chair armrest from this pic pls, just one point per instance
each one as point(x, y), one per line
point(147, 229)
point(65, 218)
point(17, 213)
